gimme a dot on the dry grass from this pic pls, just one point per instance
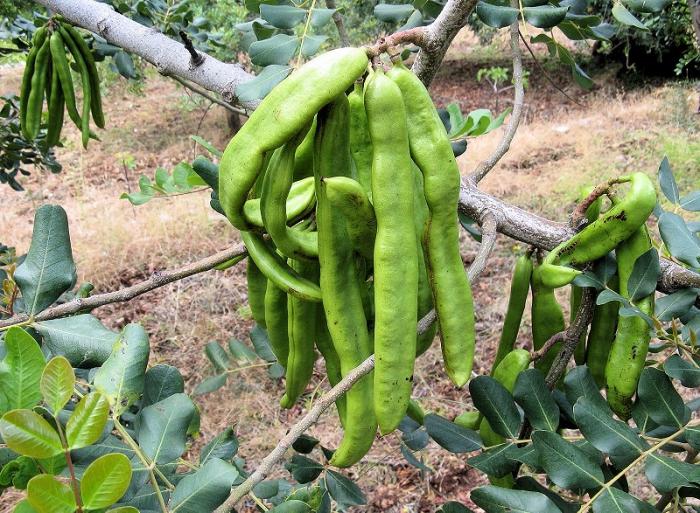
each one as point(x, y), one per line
point(116, 244)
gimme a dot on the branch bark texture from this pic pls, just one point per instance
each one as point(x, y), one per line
point(168, 56)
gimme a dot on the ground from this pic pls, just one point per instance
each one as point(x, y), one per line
point(561, 147)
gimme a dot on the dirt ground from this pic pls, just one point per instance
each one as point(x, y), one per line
point(561, 147)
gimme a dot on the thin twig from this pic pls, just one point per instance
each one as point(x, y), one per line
point(518, 101)
point(542, 351)
point(489, 230)
point(158, 279)
point(196, 58)
point(578, 216)
point(416, 35)
point(339, 24)
point(572, 336)
point(207, 95)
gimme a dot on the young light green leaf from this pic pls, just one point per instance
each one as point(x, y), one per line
point(663, 403)
point(48, 495)
point(606, 434)
point(88, 420)
point(124, 509)
point(48, 269)
point(666, 473)
point(494, 499)
point(496, 404)
point(684, 371)
point(27, 433)
point(57, 382)
point(532, 394)
point(23, 506)
point(566, 465)
point(121, 378)
point(105, 481)
point(205, 490)
point(163, 429)
point(450, 436)
point(20, 370)
point(82, 339)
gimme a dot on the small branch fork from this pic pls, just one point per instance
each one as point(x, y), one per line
point(416, 36)
point(578, 216)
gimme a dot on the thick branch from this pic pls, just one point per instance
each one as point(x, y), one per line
point(158, 279)
point(295, 432)
point(169, 56)
point(439, 36)
point(518, 100)
point(542, 233)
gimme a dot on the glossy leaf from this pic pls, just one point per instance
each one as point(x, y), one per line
point(494, 499)
point(121, 378)
point(580, 383)
point(57, 382)
point(303, 469)
point(161, 381)
point(48, 495)
point(606, 434)
point(663, 403)
point(566, 465)
point(412, 460)
point(105, 481)
point(623, 16)
point(675, 305)
point(87, 422)
point(645, 274)
point(263, 83)
point(531, 484)
point(23, 506)
point(82, 339)
point(450, 436)
point(614, 500)
point(679, 240)
point(20, 371)
point(496, 404)
point(533, 396)
point(27, 433)
point(666, 473)
point(48, 269)
point(684, 371)
point(343, 490)
point(163, 429)
point(496, 16)
point(667, 181)
point(223, 446)
point(277, 50)
point(204, 490)
point(496, 461)
point(545, 16)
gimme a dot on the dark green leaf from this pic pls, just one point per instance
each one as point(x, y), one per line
point(580, 383)
point(319, 17)
point(27, 433)
point(261, 343)
point(204, 490)
point(663, 403)
point(527, 455)
point(304, 444)
point(494, 499)
point(310, 45)
point(393, 13)
point(496, 16)
point(679, 240)
point(566, 465)
point(304, 469)
point(614, 500)
point(644, 276)
point(217, 356)
point(124, 64)
point(450, 436)
point(48, 495)
point(210, 384)
point(82, 339)
point(161, 381)
point(263, 83)
point(641, 417)
point(454, 507)
point(545, 16)
point(88, 420)
point(277, 50)
point(240, 351)
point(163, 429)
point(532, 394)
point(530, 483)
point(606, 434)
point(105, 481)
point(686, 372)
point(416, 439)
point(668, 182)
point(666, 473)
point(647, 5)
point(223, 446)
point(343, 490)
point(414, 20)
point(496, 404)
point(20, 371)
point(496, 461)
point(282, 16)
point(413, 460)
point(691, 202)
point(580, 76)
point(625, 17)
point(48, 269)
point(121, 378)
point(292, 506)
point(675, 305)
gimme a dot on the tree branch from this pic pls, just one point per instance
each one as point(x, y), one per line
point(265, 466)
point(518, 101)
point(205, 94)
point(488, 241)
point(339, 24)
point(439, 36)
point(168, 56)
point(158, 279)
